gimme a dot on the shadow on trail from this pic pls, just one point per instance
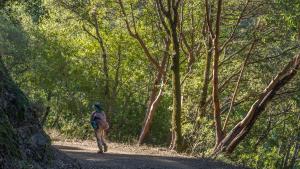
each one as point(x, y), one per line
point(91, 160)
point(61, 147)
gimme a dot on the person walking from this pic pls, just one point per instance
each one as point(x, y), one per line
point(100, 125)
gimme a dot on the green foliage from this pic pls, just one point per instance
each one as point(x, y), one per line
point(13, 40)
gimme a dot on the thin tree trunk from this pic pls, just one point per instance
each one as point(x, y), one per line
point(287, 155)
point(206, 79)
point(134, 33)
point(47, 109)
point(105, 63)
point(297, 148)
point(104, 56)
point(295, 154)
point(215, 82)
point(265, 133)
point(114, 91)
point(237, 86)
point(55, 123)
point(204, 92)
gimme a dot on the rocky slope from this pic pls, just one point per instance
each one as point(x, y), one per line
point(23, 143)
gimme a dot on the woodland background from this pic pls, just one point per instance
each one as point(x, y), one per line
point(152, 62)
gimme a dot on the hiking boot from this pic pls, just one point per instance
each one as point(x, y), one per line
point(105, 147)
point(100, 151)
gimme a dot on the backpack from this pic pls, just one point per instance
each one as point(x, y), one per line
point(94, 124)
point(93, 121)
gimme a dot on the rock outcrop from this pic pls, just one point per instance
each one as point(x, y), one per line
point(23, 143)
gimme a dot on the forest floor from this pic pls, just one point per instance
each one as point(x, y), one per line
point(122, 156)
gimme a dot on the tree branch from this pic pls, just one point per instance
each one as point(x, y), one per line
point(235, 27)
point(139, 39)
point(238, 84)
point(239, 132)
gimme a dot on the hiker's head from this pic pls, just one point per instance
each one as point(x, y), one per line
point(97, 107)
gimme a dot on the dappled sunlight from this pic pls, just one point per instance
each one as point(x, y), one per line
point(157, 84)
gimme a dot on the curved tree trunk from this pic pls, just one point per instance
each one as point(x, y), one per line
point(240, 131)
point(153, 103)
point(155, 95)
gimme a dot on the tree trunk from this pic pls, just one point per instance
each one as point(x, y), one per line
point(297, 148)
point(287, 156)
point(156, 91)
point(237, 85)
point(105, 64)
point(296, 153)
point(106, 87)
point(239, 132)
point(115, 88)
point(47, 109)
point(203, 103)
point(155, 97)
point(206, 79)
point(215, 81)
point(176, 87)
point(153, 103)
point(171, 14)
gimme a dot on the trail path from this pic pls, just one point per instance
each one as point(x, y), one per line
point(121, 156)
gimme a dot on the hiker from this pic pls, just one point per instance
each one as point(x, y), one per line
point(100, 125)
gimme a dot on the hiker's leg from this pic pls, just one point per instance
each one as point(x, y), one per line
point(102, 140)
point(99, 139)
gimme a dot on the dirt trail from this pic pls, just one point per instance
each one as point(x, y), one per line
point(121, 156)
